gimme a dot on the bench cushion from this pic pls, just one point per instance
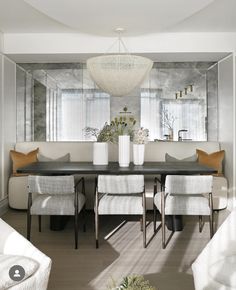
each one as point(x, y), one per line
point(18, 192)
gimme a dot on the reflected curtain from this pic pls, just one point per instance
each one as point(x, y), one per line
point(80, 109)
point(150, 112)
point(188, 115)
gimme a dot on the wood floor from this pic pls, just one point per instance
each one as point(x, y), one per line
point(91, 269)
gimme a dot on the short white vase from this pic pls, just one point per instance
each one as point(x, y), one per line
point(124, 150)
point(100, 153)
point(138, 154)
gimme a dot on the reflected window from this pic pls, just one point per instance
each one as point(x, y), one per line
point(61, 103)
point(80, 109)
point(186, 115)
point(173, 99)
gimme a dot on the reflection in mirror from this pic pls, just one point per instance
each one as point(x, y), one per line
point(174, 98)
point(64, 102)
point(55, 102)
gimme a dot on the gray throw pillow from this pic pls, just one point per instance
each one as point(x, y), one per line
point(65, 158)
point(169, 158)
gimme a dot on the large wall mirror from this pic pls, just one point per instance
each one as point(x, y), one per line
point(56, 102)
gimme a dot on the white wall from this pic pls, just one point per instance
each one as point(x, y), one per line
point(1, 127)
point(7, 120)
point(226, 111)
point(56, 43)
point(1, 42)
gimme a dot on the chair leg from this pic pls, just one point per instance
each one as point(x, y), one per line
point(200, 223)
point(141, 224)
point(28, 224)
point(29, 216)
point(39, 221)
point(163, 230)
point(144, 219)
point(96, 229)
point(154, 217)
point(96, 215)
point(163, 220)
point(211, 225)
point(84, 218)
point(144, 229)
point(76, 230)
point(211, 217)
point(215, 219)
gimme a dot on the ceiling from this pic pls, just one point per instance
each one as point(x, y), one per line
point(157, 57)
point(83, 20)
point(101, 17)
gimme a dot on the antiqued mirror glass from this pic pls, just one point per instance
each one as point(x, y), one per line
point(56, 102)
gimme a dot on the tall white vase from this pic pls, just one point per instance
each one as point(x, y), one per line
point(124, 150)
point(138, 154)
point(100, 153)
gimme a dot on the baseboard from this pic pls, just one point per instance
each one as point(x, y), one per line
point(3, 206)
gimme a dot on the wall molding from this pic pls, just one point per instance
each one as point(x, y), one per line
point(3, 206)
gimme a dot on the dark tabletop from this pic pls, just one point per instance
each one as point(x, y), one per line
point(154, 168)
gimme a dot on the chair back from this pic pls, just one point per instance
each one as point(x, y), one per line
point(51, 184)
point(120, 184)
point(181, 184)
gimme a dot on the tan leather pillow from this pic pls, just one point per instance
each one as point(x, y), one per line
point(20, 159)
point(214, 160)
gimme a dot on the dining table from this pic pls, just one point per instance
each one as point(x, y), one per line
point(148, 168)
point(158, 169)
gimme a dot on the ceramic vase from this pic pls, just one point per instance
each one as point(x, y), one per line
point(100, 153)
point(171, 134)
point(124, 150)
point(138, 154)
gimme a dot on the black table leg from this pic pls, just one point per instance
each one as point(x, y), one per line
point(174, 223)
point(58, 222)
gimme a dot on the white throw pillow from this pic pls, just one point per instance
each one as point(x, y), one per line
point(29, 265)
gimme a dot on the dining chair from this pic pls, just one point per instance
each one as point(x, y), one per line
point(55, 195)
point(185, 195)
point(120, 195)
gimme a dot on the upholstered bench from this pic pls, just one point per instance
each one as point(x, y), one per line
point(82, 151)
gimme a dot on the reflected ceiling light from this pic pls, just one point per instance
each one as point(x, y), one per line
point(119, 74)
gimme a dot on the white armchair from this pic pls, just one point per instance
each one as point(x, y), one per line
point(120, 195)
point(12, 243)
point(214, 268)
point(185, 195)
point(55, 195)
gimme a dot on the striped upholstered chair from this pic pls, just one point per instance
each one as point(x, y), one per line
point(185, 195)
point(120, 195)
point(55, 195)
